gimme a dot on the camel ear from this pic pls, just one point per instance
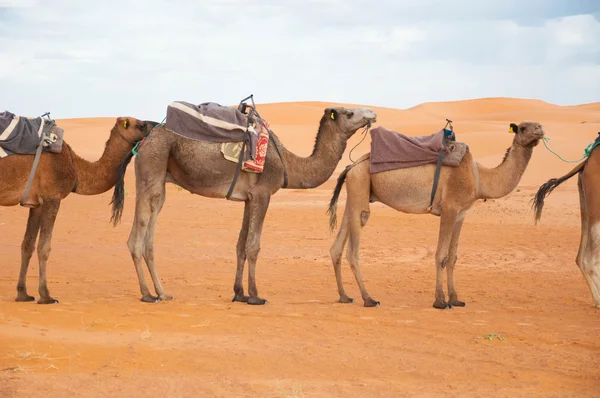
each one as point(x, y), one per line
point(125, 124)
point(333, 114)
point(513, 128)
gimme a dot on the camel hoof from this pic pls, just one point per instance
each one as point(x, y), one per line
point(148, 298)
point(346, 300)
point(371, 303)
point(164, 297)
point(256, 301)
point(457, 303)
point(24, 298)
point(47, 300)
point(240, 298)
point(441, 305)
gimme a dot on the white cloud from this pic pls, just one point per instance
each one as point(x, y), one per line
point(121, 57)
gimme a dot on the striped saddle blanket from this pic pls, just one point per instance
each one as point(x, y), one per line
point(21, 135)
point(232, 128)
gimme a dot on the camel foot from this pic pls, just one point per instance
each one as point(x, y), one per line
point(371, 303)
point(47, 300)
point(148, 298)
point(24, 297)
point(256, 301)
point(240, 298)
point(346, 300)
point(441, 304)
point(164, 297)
point(456, 303)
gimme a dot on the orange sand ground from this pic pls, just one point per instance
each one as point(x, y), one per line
point(519, 281)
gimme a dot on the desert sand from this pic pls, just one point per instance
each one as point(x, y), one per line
point(519, 280)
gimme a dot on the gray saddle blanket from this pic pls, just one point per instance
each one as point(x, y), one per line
point(21, 135)
point(212, 122)
point(391, 150)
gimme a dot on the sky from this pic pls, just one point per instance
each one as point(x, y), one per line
point(78, 58)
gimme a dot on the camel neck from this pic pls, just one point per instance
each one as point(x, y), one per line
point(97, 177)
point(314, 170)
point(501, 180)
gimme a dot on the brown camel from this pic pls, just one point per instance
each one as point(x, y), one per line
point(408, 190)
point(200, 168)
point(58, 175)
point(588, 256)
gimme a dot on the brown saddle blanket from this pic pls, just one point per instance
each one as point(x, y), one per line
point(391, 150)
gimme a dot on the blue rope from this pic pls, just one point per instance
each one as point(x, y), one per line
point(587, 151)
point(134, 150)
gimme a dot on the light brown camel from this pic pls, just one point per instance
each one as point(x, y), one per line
point(57, 175)
point(200, 168)
point(588, 256)
point(408, 190)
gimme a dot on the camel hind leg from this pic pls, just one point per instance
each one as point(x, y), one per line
point(358, 191)
point(336, 251)
point(588, 256)
point(27, 248)
point(156, 204)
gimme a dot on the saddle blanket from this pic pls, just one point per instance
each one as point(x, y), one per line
point(21, 135)
point(213, 122)
point(391, 150)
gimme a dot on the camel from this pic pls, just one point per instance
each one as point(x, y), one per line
point(200, 168)
point(408, 190)
point(588, 255)
point(57, 175)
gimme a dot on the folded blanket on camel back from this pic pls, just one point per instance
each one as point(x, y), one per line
point(213, 122)
point(391, 150)
point(21, 135)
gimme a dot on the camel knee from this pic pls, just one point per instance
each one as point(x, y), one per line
point(364, 217)
point(43, 252)
point(252, 251)
point(28, 246)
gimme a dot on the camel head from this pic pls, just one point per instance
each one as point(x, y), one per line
point(132, 130)
point(345, 121)
point(527, 134)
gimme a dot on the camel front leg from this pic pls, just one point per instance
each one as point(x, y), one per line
point(447, 223)
point(27, 248)
point(336, 251)
point(452, 257)
point(156, 204)
point(238, 287)
point(49, 212)
point(259, 204)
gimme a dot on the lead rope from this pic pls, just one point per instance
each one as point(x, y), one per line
point(364, 134)
point(587, 151)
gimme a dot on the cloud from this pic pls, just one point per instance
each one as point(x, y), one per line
point(119, 57)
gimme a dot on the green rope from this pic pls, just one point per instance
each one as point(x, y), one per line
point(134, 150)
point(587, 151)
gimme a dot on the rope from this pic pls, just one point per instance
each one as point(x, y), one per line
point(134, 150)
point(364, 133)
point(587, 151)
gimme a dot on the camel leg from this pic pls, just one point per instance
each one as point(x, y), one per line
point(49, 212)
point(447, 223)
point(139, 231)
point(452, 257)
point(238, 287)
point(352, 255)
point(156, 204)
point(588, 256)
point(583, 241)
point(336, 252)
point(258, 206)
point(27, 248)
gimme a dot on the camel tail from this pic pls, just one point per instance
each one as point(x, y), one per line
point(547, 188)
point(334, 199)
point(118, 199)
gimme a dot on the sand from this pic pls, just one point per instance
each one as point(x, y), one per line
point(519, 280)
